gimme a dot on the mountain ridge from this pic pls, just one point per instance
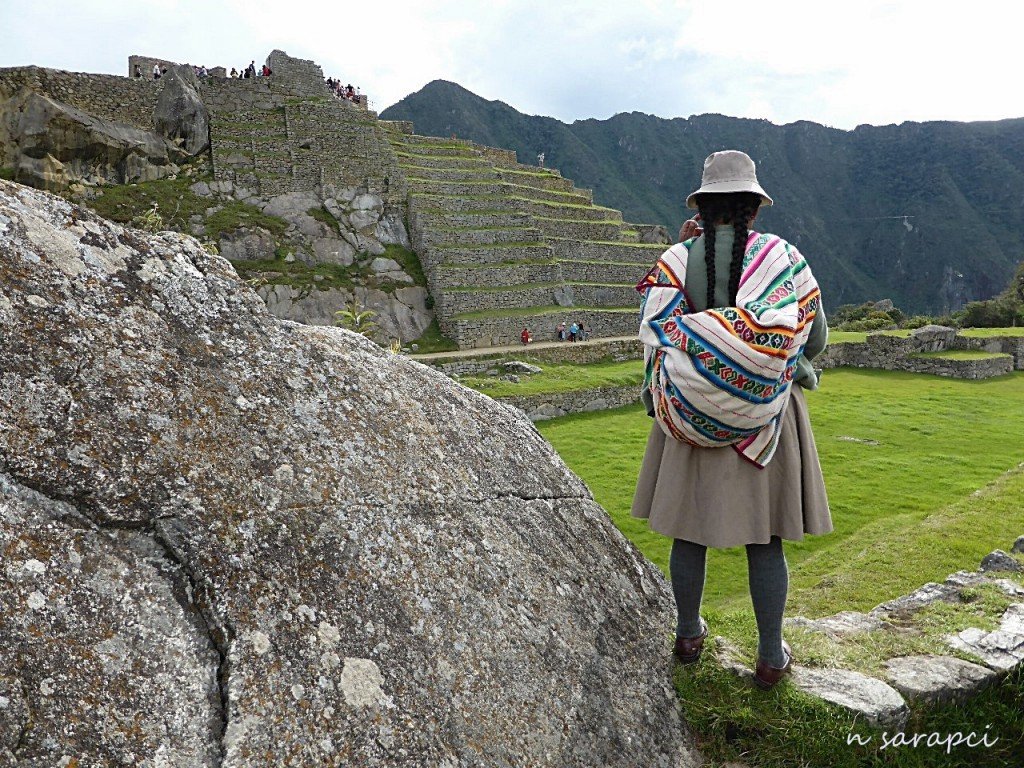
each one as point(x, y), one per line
point(878, 209)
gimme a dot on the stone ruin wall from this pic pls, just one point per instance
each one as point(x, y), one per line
point(110, 97)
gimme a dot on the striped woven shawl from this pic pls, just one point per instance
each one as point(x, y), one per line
point(721, 377)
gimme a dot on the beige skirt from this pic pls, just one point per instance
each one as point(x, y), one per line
point(715, 497)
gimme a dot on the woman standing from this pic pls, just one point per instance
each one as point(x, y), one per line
point(763, 484)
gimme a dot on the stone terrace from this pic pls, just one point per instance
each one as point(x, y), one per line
point(287, 133)
point(506, 245)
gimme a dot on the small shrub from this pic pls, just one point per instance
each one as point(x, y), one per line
point(150, 221)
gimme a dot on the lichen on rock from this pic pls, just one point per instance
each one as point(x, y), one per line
point(368, 562)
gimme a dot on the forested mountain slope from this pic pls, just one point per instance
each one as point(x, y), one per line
point(840, 195)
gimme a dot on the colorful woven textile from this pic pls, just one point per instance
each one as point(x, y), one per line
point(721, 377)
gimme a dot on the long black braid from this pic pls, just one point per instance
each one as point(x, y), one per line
point(734, 208)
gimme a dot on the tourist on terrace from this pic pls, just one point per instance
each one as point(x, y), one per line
point(156, 71)
point(582, 335)
point(266, 71)
point(138, 71)
point(723, 466)
point(525, 336)
point(560, 332)
point(234, 72)
point(574, 330)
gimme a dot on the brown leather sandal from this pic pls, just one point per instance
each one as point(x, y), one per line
point(687, 649)
point(766, 676)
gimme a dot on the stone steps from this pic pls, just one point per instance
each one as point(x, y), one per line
point(474, 330)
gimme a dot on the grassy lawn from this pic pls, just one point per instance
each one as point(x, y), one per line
point(925, 476)
point(895, 448)
point(988, 333)
point(560, 377)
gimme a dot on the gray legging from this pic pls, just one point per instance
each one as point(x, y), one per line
point(769, 581)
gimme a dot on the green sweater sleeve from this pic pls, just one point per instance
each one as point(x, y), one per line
point(805, 375)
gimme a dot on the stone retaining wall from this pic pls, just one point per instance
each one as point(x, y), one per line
point(514, 274)
point(111, 97)
point(567, 352)
point(497, 331)
point(456, 302)
point(1007, 345)
point(604, 295)
point(626, 253)
point(894, 353)
point(590, 272)
point(551, 406)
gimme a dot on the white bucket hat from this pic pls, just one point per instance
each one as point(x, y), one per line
point(729, 171)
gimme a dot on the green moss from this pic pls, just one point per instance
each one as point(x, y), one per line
point(297, 274)
point(409, 261)
point(7, 174)
point(433, 340)
point(324, 216)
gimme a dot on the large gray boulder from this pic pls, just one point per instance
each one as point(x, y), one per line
point(52, 145)
point(233, 540)
point(180, 112)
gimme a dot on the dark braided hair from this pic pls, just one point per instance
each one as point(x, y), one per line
point(734, 208)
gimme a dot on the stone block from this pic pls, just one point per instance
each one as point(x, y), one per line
point(937, 678)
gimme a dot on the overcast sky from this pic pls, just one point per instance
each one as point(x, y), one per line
point(841, 64)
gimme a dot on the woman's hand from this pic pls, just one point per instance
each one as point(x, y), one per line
point(690, 229)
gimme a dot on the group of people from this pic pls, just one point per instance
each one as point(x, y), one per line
point(251, 71)
point(342, 91)
point(575, 332)
point(201, 71)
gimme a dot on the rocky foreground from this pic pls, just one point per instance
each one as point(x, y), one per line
point(233, 540)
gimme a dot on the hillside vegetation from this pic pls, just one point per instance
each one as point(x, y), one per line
point(840, 195)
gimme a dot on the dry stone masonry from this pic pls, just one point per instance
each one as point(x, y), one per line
point(507, 246)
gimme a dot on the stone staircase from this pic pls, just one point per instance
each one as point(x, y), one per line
point(506, 245)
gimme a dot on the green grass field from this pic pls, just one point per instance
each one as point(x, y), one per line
point(925, 476)
point(896, 449)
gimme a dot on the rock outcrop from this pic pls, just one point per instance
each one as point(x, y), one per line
point(51, 145)
point(233, 540)
point(180, 112)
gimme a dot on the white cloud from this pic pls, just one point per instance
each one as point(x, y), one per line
point(875, 61)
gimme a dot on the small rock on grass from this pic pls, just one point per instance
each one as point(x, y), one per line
point(998, 560)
